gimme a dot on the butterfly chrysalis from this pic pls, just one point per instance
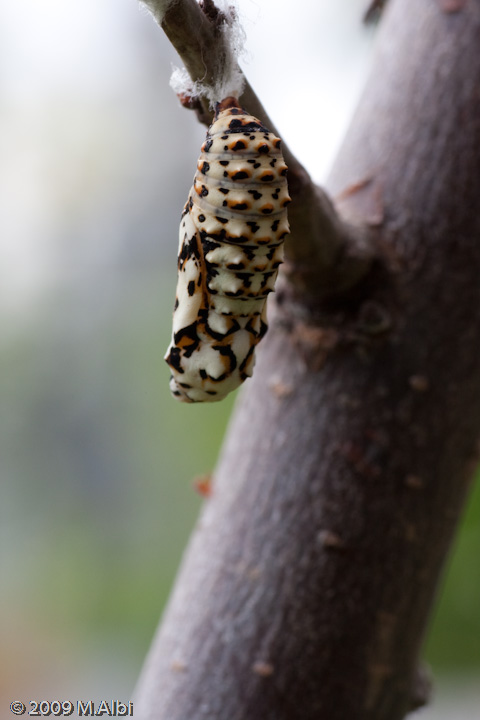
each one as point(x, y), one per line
point(231, 245)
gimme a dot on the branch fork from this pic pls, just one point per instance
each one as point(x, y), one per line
point(326, 256)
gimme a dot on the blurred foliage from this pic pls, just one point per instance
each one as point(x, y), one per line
point(454, 639)
point(98, 463)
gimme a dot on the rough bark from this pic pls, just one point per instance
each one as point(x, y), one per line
point(309, 580)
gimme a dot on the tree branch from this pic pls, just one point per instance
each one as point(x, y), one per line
point(308, 584)
point(325, 255)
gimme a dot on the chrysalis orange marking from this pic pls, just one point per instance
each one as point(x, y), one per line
point(231, 245)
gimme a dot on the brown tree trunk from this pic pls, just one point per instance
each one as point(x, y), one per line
point(310, 578)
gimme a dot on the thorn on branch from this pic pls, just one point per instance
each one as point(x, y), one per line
point(263, 668)
point(452, 6)
point(279, 388)
point(203, 484)
point(330, 540)
point(365, 199)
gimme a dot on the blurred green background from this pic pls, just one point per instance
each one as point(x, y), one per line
point(97, 461)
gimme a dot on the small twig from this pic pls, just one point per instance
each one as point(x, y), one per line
point(374, 11)
point(321, 245)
